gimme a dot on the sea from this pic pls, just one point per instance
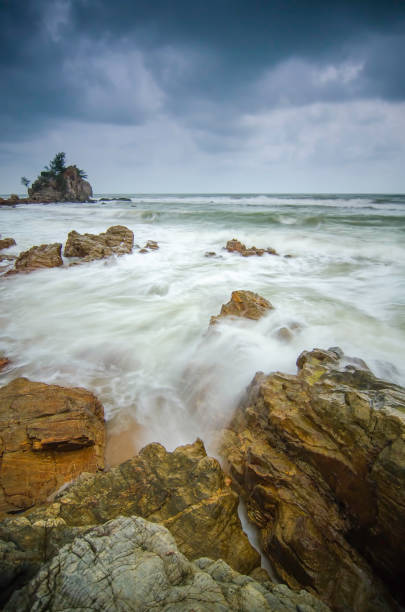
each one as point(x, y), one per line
point(135, 329)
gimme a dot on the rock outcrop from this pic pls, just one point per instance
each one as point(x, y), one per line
point(67, 186)
point(185, 490)
point(234, 246)
point(134, 565)
point(245, 304)
point(320, 460)
point(48, 436)
point(117, 240)
point(43, 256)
point(6, 243)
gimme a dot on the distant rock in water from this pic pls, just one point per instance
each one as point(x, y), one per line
point(234, 246)
point(68, 186)
point(245, 304)
point(49, 435)
point(117, 240)
point(320, 461)
point(6, 243)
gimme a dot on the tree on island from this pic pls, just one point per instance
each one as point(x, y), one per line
point(25, 181)
point(59, 182)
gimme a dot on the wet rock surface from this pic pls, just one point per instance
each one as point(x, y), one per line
point(320, 460)
point(43, 256)
point(48, 436)
point(245, 304)
point(234, 246)
point(6, 243)
point(133, 564)
point(117, 240)
point(185, 491)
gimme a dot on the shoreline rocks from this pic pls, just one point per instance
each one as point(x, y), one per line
point(319, 458)
point(118, 240)
point(234, 246)
point(48, 436)
point(246, 304)
point(37, 257)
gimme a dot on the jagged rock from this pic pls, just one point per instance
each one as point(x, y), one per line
point(4, 361)
point(6, 243)
point(151, 244)
point(68, 186)
point(133, 565)
point(48, 436)
point(234, 246)
point(245, 304)
point(320, 460)
point(117, 240)
point(184, 490)
point(43, 256)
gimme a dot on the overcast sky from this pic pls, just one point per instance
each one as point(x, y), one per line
point(205, 96)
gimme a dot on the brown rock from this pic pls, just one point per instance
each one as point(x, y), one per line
point(43, 256)
point(117, 240)
point(234, 246)
point(320, 458)
point(151, 244)
point(4, 361)
point(244, 304)
point(49, 435)
point(66, 187)
point(6, 243)
point(185, 491)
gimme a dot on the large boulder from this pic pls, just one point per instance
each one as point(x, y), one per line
point(43, 256)
point(245, 304)
point(48, 436)
point(68, 186)
point(134, 565)
point(320, 460)
point(184, 490)
point(118, 240)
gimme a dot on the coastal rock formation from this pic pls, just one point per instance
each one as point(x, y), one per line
point(117, 240)
point(185, 490)
point(132, 564)
point(43, 256)
point(4, 361)
point(48, 436)
point(320, 460)
point(234, 246)
point(151, 245)
point(66, 186)
point(6, 243)
point(245, 304)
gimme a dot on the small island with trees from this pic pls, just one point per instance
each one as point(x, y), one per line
point(56, 183)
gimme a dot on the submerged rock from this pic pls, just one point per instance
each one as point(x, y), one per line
point(184, 490)
point(48, 436)
point(245, 304)
point(135, 565)
point(234, 246)
point(43, 256)
point(117, 240)
point(320, 460)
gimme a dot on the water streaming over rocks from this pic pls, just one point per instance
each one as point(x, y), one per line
point(133, 329)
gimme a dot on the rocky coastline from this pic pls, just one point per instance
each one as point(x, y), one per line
point(318, 458)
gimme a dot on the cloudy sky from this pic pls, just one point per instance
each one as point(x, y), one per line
point(205, 96)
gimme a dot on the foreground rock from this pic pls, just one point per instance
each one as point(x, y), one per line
point(66, 186)
point(48, 436)
point(320, 460)
point(43, 256)
point(132, 564)
point(245, 304)
point(117, 240)
point(184, 490)
point(234, 246)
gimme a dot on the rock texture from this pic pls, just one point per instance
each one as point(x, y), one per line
point(117, 240)
point(184, 490)
point(130, 564)
point(244, 304)
point(234, 246)
point(6, 243)
point(48, 436)
point(43, 256)
point(66, 187)
point(320, 460)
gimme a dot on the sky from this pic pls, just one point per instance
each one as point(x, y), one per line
point(168, 96)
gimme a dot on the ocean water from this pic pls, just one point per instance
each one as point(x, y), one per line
point(133, 329)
